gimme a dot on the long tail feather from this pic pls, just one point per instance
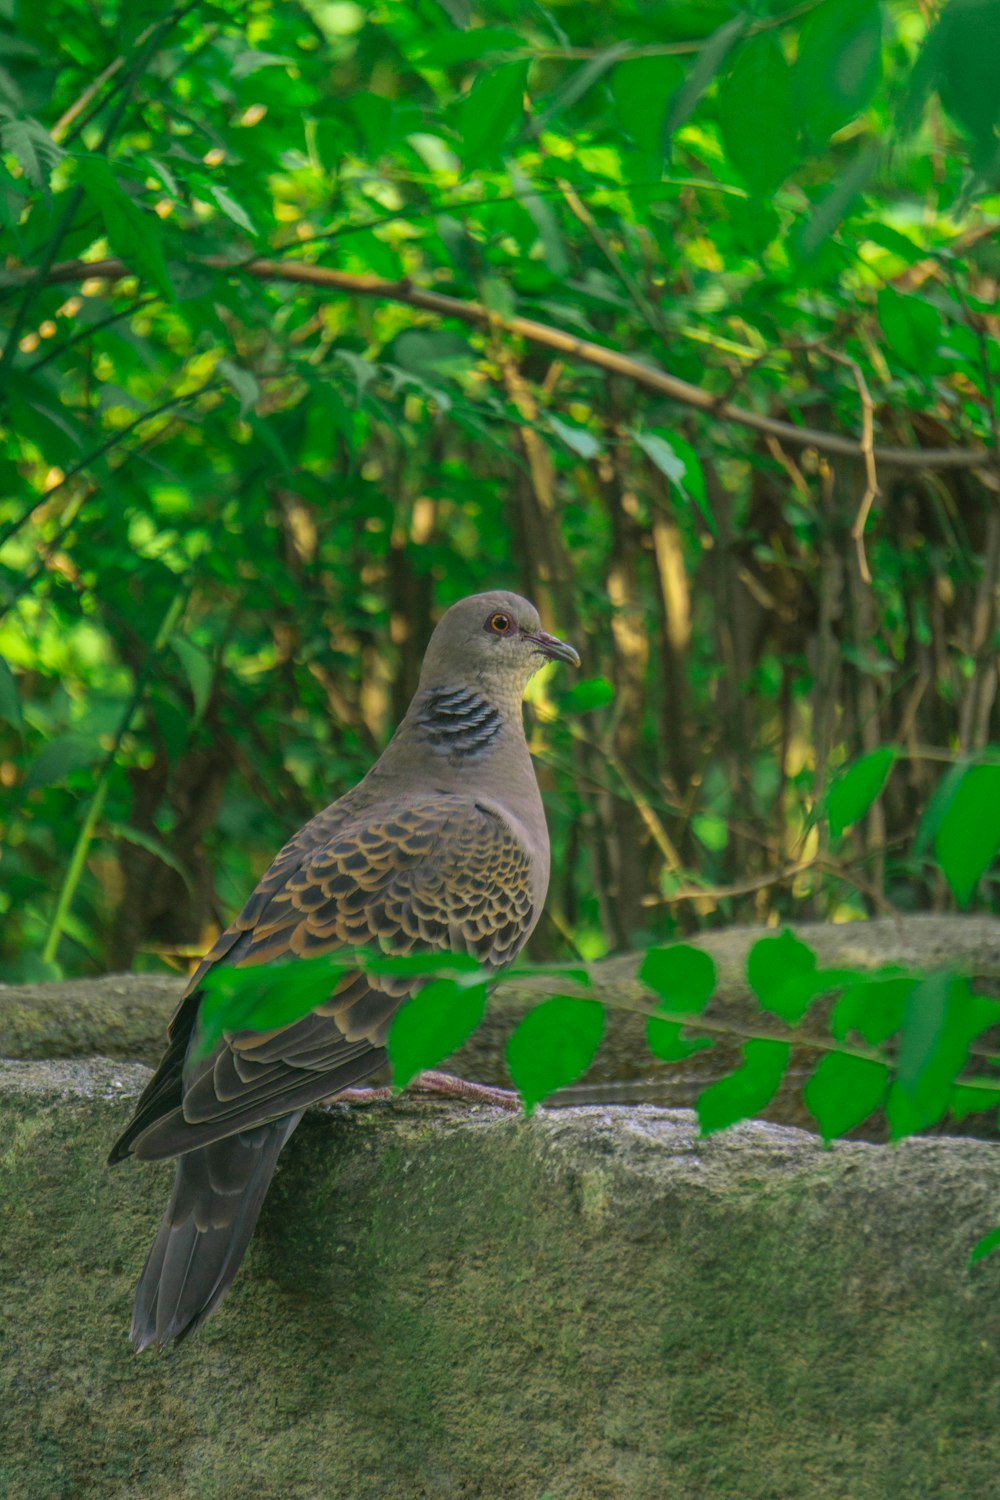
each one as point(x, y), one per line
point(217, 1197)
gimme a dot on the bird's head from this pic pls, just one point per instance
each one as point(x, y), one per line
point(494, 640)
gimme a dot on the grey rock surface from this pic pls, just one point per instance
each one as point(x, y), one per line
point(441, 1301)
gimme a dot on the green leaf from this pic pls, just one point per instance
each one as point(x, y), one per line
point(233, 210)
point(937, 805)
point(243, 383)
point(199, 671)
point(583, 697)
point(665, 1040)
point(710, 830)
point(968, 837)
point(839, 65)
point(553, 1046)
point(134, 233)
point(966, 47)
point(682, 976)
point(59, 758)
point(874, 1007)
point(843, 1091)
point(748, 1090)
point(678, 461)
point(758, 124)
point(814, 230)
point(641, 87)
point(545, 221)
point(251, 61)
point(431, 351)
point(784, 976)
point(431, 1026)
point(467, 46)
point(264, 997)
point(708, 62)
point(941, 1019)
point(10, 698)
point(985, 1246)
point(490, 111)
point(152, 846)
point(911, 326)
point(857, 787)
point(967, 1099)
point(34, 150)
point(576, 438)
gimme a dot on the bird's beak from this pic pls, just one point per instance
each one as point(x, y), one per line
point(552, 646)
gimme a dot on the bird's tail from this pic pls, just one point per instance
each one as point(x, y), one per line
point(217, 1197)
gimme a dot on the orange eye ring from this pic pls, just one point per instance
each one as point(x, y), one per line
point(499, 623)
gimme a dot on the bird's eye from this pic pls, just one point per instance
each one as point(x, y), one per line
point(500, 624)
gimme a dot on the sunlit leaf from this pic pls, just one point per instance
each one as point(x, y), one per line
point(553, 1046)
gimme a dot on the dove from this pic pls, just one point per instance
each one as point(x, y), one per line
point(442, 846)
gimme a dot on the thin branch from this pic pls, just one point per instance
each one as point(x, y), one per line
point(867, 452)
point(566, 344)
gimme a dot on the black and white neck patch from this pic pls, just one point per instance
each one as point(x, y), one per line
point(459, 721)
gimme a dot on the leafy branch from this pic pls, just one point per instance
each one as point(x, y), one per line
point(559, 341)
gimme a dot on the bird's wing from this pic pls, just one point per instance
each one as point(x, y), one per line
point(437, 873)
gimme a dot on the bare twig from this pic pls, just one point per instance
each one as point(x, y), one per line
point(867, 453)
point(566, 344)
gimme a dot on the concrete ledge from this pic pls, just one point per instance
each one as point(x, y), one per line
point(589, 1305)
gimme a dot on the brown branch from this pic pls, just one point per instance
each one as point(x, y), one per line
point(563, 343)
point(868, 453)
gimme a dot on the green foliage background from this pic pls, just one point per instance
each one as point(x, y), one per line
point(233, 499)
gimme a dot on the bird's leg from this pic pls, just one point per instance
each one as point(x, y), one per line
point(444, 1084)
point(461, 1088)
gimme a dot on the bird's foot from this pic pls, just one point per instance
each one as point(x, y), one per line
point(444, 1084)
point(461, 1088)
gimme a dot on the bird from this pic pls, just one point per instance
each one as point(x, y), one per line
point(442, 846)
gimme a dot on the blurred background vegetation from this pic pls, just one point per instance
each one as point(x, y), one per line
point(236, 493)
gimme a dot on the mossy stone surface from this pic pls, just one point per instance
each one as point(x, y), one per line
point(440, 1302)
